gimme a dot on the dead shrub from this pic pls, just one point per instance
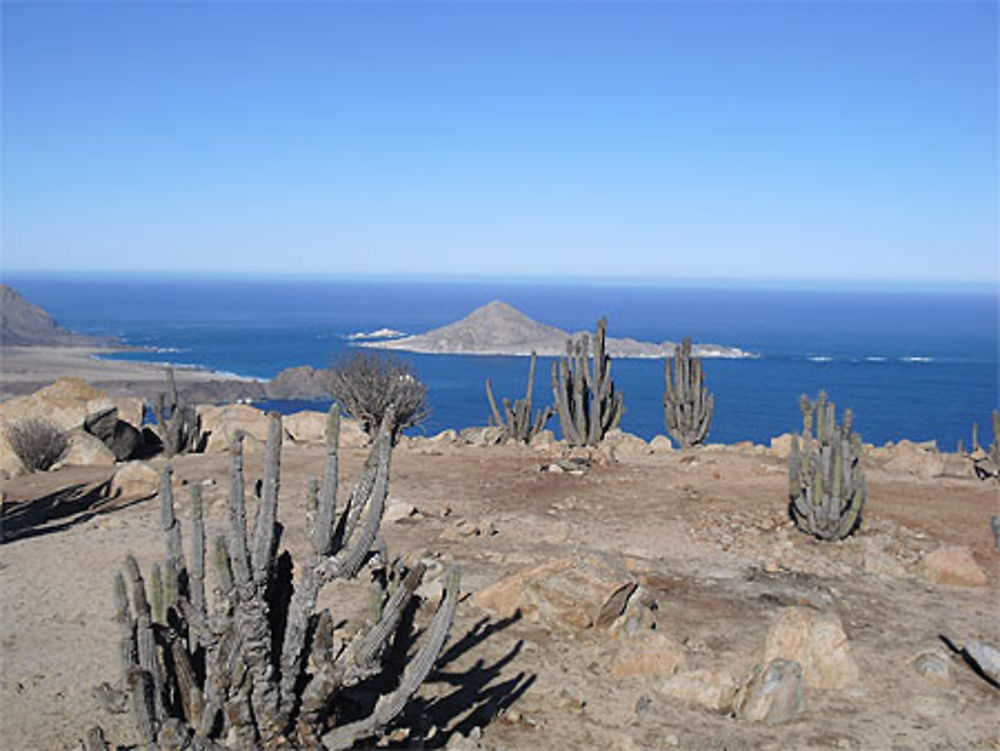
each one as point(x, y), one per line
point(366, 383)
point(38, 443)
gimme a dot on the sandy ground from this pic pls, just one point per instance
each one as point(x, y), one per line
point(707, 534)
point(24, 369)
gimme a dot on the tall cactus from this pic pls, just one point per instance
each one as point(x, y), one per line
point(178, 425)
point(517, 421)
point(586, 401)
point(687, 405)
point(826, 486)
point(260, 668)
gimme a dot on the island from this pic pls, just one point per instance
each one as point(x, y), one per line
point(499, 328)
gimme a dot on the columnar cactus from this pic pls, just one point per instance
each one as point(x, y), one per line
point(260, 668)
point(516, 421)
point(826, 485)
point(178, 425)
point(586, 401)
point(687, 405)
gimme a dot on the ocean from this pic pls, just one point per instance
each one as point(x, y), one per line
point(917, 364)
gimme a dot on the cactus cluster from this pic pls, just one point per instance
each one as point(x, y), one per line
point(517, 420)
point(826, 485)
point(259, 668)
point(687, 405)
point(586, 401)
point(178, 425)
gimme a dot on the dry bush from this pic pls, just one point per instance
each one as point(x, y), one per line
point(366, 383)
point(38, 443)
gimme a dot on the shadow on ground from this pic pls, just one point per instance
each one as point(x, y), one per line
point(59, 510)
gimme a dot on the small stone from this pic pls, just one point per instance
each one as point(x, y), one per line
point(397, 510)
point(934, 667)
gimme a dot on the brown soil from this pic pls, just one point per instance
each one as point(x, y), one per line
point(705, 532)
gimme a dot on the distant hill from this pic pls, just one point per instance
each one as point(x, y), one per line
point(24, 324)
point(501, 329)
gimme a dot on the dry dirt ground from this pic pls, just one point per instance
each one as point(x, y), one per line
point(705, 532)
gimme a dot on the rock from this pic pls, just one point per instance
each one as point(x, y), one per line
point(10, 463)
point(85, 450)
point(567, 594)
point(986, 657)
point(445, 436)
point(395, 510)
point(123, 439)
point(953, 566)
point(775, 693)
point(135, 479)
point(126, 442)
point(638, 616)
point(876, 560)
point(481, 436)
point(352, 435)
point(221, 423)
point(65, 403)
point(957, 465)
point(920, 459)
point(303, 382)
point(306, 426)
point(661, 445)
point(781, 446)
point(817, 642)
point(543, 440)
point(652, 654)
point(625, 445)
point(101, 424)
point(934, 667)
point(131, 409)
point(711, 689)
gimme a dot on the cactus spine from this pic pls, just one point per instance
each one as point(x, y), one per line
point(257, 668)
point(517, 421)
point(586, 401)
point(826, 485)
point(687, 405)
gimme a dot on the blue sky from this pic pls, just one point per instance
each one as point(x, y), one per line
point(745, 141)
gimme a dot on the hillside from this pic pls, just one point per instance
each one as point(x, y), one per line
point(24, 324)
point(498, 328)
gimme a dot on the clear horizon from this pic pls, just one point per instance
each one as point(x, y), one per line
point(675, 143)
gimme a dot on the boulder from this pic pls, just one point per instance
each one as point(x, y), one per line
point(953, 566)
point(306, 426)
point(352, 435)
point(131, 410)
point(626, 445)
point(781, 446)
point(221, 423)
point(775, 693)
point(84, 449)
point(10, 463)
point(123, 439)
point(660, 444)
point(135, 479)
point(543, 440)
point(568, 594)
point(652, 653)
point(918, 459)
point(65, 403)
point(711, 689)
point(817, 642)
point(101, 424)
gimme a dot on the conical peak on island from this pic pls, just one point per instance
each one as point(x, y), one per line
point(498, 328)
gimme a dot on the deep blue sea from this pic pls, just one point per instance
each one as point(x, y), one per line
point(912, 364)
